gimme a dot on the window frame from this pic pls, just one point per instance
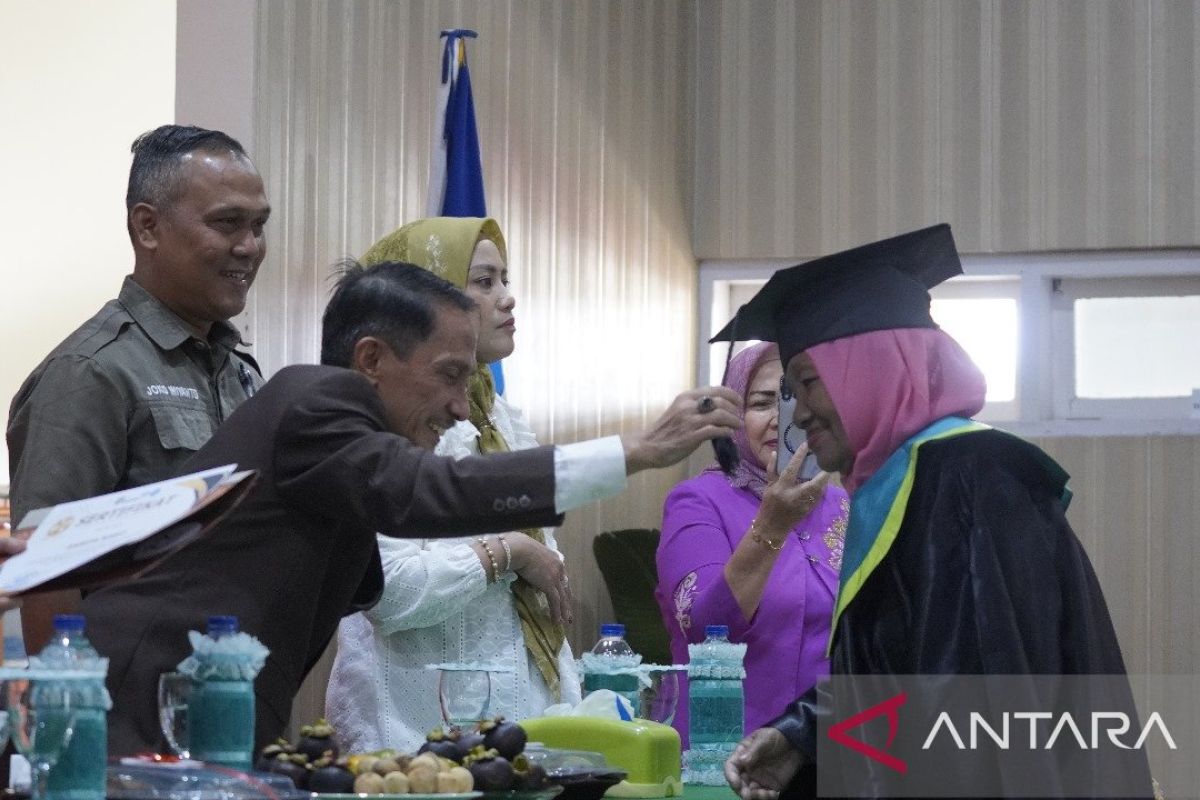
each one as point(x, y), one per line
point(1044, 403)
point(1065, 291)
point(974, 287)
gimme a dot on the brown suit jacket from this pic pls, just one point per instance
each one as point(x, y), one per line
point(299, 552)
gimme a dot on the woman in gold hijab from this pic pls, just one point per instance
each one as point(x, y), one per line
point(500, 600)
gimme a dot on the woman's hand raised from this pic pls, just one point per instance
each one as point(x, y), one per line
point(787, 500)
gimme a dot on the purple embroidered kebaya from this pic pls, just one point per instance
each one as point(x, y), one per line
point(704, 519)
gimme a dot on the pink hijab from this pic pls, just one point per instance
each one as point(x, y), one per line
point(751, 473)
point(888, 385)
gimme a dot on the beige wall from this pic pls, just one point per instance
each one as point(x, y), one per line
point(78, 82)
point(1027, 125)
point(1137, 511)
point(214, 58)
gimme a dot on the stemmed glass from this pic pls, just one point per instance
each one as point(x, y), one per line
point(465, 695)
point(174, 692)
point(40, 730)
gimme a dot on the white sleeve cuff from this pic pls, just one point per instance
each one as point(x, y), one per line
point(588, 471)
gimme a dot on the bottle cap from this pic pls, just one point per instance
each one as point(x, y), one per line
point(716, 630)
point(612, 629)
point(221, 625)
point(68, 623)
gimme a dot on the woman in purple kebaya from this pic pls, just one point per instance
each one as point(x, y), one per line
point(754, 552)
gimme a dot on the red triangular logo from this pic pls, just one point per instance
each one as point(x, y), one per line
point(837, 731)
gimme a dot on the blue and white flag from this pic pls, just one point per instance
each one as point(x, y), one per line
point(456, 171)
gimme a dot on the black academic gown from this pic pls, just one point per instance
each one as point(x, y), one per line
point(985, 577)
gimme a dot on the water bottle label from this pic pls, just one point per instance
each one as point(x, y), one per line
point(715, 712)
point(715, 669)
point(221, 723)
point(620, 684)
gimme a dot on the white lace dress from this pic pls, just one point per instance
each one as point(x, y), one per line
point(437, 607)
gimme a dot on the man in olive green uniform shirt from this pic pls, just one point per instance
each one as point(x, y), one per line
point(141, 386)
point(122, 402)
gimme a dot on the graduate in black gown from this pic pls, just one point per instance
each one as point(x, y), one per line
point(958, 556)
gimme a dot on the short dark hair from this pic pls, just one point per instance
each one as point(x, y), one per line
point(157, 157)
point(393, 300)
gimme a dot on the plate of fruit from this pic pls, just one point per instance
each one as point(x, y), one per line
point(452, 764)
point(494, 753)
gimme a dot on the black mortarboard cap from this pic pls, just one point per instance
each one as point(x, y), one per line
point(874, 287)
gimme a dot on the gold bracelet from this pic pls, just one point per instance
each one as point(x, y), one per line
point(492, 558)
point(507, 552)
point(770, 545)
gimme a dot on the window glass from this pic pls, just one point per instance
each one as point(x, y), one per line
point(987, 330)
point(1098, 338)
point(1137, 346)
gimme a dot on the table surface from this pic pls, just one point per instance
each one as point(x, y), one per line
point(691, 792)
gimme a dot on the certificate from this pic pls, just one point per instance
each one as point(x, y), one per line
point(113, 534)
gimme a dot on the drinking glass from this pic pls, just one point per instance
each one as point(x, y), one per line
point(660, 700)
point(4, 732)
point(41, 731)
point(174, 692)
point(465, 695)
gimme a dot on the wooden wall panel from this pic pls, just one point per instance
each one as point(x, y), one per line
point(1173, 501)
point(1137, 511)
point(1174, 100)
point(1027, 125)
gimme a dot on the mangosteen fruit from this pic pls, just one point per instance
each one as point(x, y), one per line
point(491, 772)
point(327, 776)
point(445, 745)
point(469, 740)
point(528, 775)
point(316, 740)
point(294, 766)
point(506, 738)
point(268, 755)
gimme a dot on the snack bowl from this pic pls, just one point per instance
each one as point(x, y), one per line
point(587, 784)
point(547, 793)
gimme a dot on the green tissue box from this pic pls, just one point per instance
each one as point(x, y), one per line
point(648, 751)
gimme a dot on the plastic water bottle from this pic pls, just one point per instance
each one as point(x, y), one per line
point(81, 771)
point(221, 710)
point(611, 653)
point(716, 702)
point(715, 705)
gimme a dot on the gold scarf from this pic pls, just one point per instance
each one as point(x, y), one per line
point(543, 637)
point(444, 246)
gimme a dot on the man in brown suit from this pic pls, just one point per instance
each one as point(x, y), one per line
point(342, 454)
